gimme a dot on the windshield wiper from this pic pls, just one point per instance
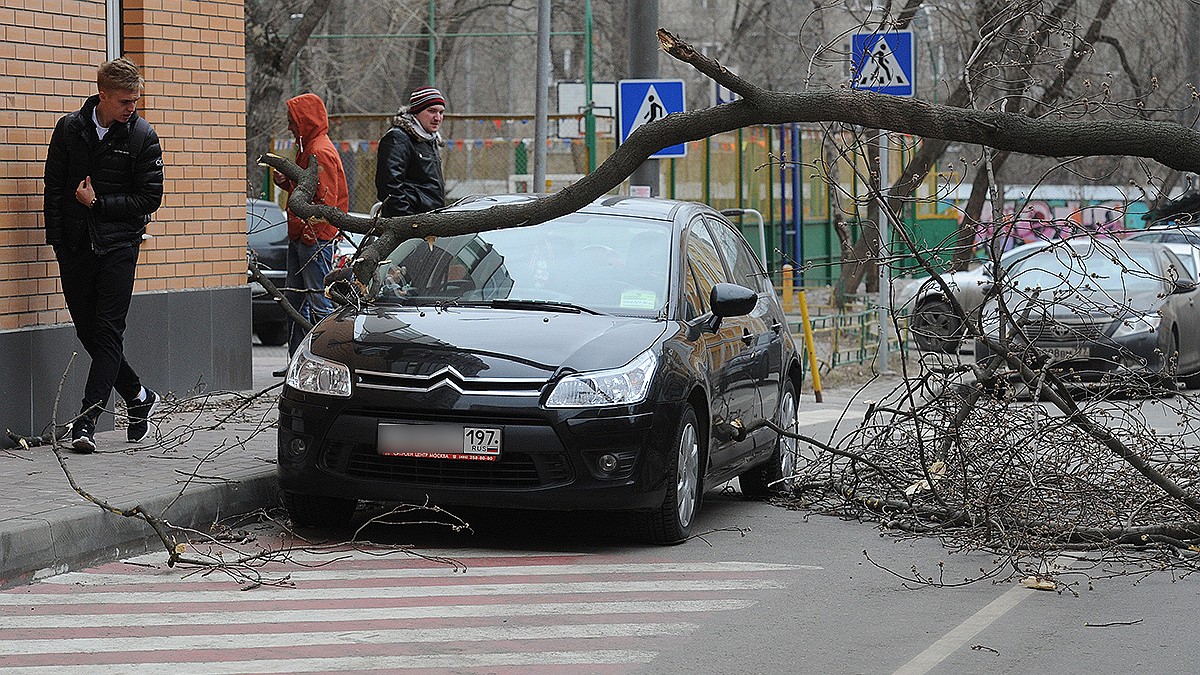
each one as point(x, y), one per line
point(544, 305)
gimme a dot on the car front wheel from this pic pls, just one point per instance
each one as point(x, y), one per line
point(936, 328)
point(671, 523)
point(272, 334)
point(319, 510)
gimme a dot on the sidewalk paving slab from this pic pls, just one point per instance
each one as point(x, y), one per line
point(186, 472)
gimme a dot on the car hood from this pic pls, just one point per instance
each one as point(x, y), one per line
point(482, 342)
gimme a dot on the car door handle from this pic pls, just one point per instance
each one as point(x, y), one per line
point(776, 327)
point(747, 337)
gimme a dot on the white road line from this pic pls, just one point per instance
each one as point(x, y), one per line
point(169, 575)
point(960, 635)
point(268, 594)
point(346, 664)
point(367, 635)
point(364, 614)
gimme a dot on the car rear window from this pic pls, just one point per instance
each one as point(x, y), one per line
point(266, 223)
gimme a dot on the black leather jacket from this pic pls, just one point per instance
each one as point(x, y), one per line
point(408, 176)
point(127, 174)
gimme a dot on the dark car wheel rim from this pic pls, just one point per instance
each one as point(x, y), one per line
point(936, 322)
point(788, 445)
point(687, 474)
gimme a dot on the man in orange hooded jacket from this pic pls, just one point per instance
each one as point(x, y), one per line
point(311, 244)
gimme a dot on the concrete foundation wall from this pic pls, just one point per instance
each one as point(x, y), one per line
point(184, 342)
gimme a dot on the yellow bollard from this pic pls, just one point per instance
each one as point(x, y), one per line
point(788, 289)
point(808, 344)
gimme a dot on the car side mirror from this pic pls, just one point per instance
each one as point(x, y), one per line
point(731, 300)
point(1183, 286)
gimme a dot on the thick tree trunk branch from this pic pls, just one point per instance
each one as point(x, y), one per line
point(1165, 142)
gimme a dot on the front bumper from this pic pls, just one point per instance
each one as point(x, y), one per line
point(265, 309)
point(550, 460)
point(1134, 359)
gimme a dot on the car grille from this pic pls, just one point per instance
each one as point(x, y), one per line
point(512, 470)
point(1062, 331)
point(450, 377)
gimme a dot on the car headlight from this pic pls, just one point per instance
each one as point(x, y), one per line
point(316, 375)
point(1133, 325)
point(620, 386)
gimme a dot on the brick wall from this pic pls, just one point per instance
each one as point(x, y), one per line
point(192, 58)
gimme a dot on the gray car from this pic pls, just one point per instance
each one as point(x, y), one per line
point(1105, 312)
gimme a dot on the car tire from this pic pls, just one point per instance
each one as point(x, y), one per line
point(1191, 381)
point(774, 476)
point(272, 334)
point(936, 328)
point(1169, 380)
point(671, 523)
point(318, 510)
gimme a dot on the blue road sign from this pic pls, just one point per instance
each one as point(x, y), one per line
point(643, 101)
point(883, 62)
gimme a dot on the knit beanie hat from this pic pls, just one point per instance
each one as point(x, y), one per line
point(423, 98)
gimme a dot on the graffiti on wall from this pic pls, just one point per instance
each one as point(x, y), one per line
point(1041, 219)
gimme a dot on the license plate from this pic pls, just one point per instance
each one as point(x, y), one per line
point(439, 441)
point(1066, 353)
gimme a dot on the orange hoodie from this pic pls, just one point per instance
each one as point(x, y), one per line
point(312, 124)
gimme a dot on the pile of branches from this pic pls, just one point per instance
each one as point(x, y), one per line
point(944, 455)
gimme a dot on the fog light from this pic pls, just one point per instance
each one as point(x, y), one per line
point(608, 463)
point(296, 449)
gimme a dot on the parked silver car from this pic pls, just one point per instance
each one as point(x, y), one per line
point(934, 324)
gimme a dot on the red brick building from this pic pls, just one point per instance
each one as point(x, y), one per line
point(190, 319)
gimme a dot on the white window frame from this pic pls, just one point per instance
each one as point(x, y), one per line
point(112, 28)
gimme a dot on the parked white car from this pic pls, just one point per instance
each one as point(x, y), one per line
point(1182, 241)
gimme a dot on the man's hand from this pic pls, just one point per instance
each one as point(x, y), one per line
point(84, 194)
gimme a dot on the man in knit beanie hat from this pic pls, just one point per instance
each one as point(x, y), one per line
point(408, 176)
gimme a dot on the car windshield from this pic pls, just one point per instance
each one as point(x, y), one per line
point(1065, 268)
point(597, 263)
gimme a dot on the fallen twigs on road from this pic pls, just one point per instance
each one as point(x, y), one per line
point(1015, 478)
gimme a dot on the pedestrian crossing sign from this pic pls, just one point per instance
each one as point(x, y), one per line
point(883, 62)
point(640, 102)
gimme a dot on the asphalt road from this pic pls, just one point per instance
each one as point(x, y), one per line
point(765, 590)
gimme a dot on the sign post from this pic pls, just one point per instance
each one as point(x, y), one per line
point(641, 102)
point(884, 63)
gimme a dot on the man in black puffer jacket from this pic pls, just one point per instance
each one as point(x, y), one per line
point(104, 177)
point(408, 173)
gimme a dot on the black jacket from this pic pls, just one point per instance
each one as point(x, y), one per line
point(408, 176)
point(127, 174)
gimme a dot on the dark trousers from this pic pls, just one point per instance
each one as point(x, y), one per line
point(98, 290)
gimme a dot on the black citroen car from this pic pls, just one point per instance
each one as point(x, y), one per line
point(623, 357)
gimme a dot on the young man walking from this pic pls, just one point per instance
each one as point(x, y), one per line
point(104, 177)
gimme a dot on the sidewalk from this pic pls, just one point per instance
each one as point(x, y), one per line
point(47, 528)
point(191, 475)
